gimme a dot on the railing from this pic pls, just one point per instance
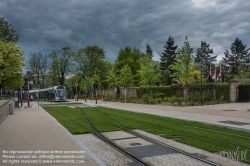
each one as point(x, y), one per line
point(6, 108)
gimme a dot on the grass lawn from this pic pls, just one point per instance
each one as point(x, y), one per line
point(204, 136)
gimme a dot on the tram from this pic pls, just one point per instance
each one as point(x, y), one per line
point(56, 93)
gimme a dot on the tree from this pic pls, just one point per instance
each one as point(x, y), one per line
point(105, 67)
point(130, 57)
point(203, 56)
point(149, 73)
point(238, 59)
point(7, 33)
point(11, 63)
point(184, 66)
point(168, 56)
point(149, 51)
point(126, 76)
point(90, 61)
point(112, 79)
point(60, 67)
point(37, 64)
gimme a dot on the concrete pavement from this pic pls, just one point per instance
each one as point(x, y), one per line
point(32, 137)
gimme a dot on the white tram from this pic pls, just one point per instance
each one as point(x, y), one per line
point(56, 93)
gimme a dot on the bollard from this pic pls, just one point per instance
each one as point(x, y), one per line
point(96, 98)
point(28, 100)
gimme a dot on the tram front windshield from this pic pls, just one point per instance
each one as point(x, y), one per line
point(60, 92)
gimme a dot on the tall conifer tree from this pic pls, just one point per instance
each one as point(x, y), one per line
point(237, 61)
point(204, 57)
point(149, 51)
point(168, 56)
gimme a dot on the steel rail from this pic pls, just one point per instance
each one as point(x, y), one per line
point(158, 142)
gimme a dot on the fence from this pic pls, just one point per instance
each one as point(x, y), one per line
point(113, 93)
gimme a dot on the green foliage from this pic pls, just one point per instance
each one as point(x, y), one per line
point(7, 33)
point(149, 51)
point(222, 92)
point(210, 92)
point(165, 78)
point(11, 63)
point(174, 99)
point(168, 56)
point(112, 79)
point(243, 78)
point(130, 57)
point(204, 57)
point(149, 72)
point(161, 91)
point(126, 76)
point(89, 60)
point(184, 65)
point(238, 59)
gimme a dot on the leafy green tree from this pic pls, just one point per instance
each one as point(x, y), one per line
point(90, 61)
point(184, 66)
point(204, 57)
point(112, 79)
point(7, 33)
point(149, 51)
point(238, 59)
point(61, 65)
point(105, 67)
point(130, 57)
point(149, 73)
point(126, 77)
point(11, 63)
point(165, 78)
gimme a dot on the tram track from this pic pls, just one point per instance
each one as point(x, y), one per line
point(136, 134)
point(103, 138)
point(197, 136)
point(157, 142)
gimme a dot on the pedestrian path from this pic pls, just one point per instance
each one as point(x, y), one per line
point(32, 137)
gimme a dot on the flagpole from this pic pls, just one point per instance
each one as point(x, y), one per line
point(220, 71)
point(210, 68)
point(215, 72)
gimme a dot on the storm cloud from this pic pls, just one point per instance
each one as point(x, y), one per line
point(47, 25)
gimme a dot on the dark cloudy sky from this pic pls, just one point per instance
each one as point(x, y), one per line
point(47, 25)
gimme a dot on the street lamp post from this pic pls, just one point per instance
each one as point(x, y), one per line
point(38, 93)
point(96, 92)
point(200, 82)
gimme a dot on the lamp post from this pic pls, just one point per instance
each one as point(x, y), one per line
point(125, 88)
point(85, 91)
point(200, 81)
point(96, 91)
point(38, 93)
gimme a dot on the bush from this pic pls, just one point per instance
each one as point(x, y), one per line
point(175, 99)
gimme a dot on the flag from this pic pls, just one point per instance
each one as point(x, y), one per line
point(213, 76)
